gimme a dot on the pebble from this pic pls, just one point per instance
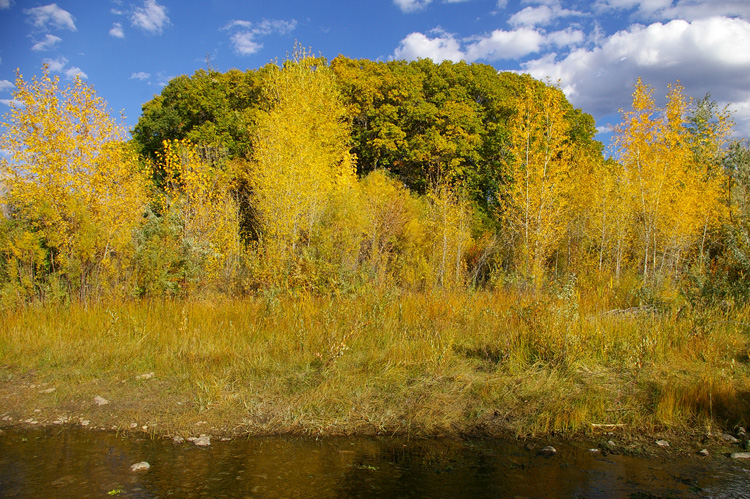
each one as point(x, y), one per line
point(548, 451)
point(662, 443)
point(142, 466)
point(202, 441)
point(178, 439)
point(729, 438)
point(100, 401)
point(740, 455)
point(594, 451)
point(703, 452)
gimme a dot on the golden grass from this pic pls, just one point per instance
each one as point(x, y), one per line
point(384, 362)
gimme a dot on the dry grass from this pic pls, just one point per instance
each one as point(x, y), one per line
point(378, 363)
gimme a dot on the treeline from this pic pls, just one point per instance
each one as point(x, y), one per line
point(342, 176)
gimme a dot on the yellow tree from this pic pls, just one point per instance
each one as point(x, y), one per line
point(537, 204)
point(74, 190)
point(300, 154)
point(672, 196)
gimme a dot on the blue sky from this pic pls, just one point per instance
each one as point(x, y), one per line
point(129, 50)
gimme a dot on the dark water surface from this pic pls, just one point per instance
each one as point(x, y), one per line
point(80, 464)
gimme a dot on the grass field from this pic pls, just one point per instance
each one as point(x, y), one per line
point(381, 363)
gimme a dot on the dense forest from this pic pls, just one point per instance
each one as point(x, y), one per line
point(316, 176)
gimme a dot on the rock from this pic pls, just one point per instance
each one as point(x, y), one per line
point(85, 422)
point(48, 390)
point(703, 452)
point(178, 439)
point(142, 466)
point(594, 451)
point(740, 455)
point(100, 401)
point(611, 444)
point(202, 441)
point(729, 438)
point(548, 451)
point(662, 443)
point(145, 376)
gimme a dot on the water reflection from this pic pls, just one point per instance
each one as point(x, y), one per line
point(80, 464)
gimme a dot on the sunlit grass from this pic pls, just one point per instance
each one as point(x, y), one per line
point(431, 363)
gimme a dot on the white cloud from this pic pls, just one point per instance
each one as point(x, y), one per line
point(440, 48)
point(566, 37)
point(689, 10)
point(11, 102)
point(411, 5)
point(708, 55)
point(151, 17)
point(6, 85)
point(117, 31)
point(56, 65)
point(140, 76)
point(4, 4)
point(531, 16)
point(43, 17)
point(502, 44)
point(74, 71)
point(245, 40)
point(46, 44)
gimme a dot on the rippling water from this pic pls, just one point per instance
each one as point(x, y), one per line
point(80, 464)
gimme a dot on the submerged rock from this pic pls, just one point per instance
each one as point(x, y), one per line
point(142, 466)
point(202, 441)
point(548, 451)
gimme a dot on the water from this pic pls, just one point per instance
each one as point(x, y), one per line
point(80, 464)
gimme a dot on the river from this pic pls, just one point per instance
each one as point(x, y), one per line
point(73, 463)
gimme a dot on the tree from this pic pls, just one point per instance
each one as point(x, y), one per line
point(301, 156)
point(73, 189)
point(537, 203)
point(674, 191)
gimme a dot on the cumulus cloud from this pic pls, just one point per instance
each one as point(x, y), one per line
point(439, 48)
point(50, 15)
point(4, 4)
point(246, 34)
point(6, 85)
point(74, 71)
point(46, 44)
point(707, 55)
point(411, 5)
point(59, 64)
point(116, 31)
point(140, 75)
point(150, 17)
point(689, 10)
point(502, 44)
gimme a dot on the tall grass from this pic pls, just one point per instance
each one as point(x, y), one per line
point(424, 363)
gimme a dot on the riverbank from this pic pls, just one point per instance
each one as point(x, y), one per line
point(480, 364)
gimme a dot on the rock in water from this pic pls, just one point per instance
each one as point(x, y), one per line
point(740, 455)
point(202, 441)
point(142, 466)
point(662, 443)
point(100, 400)
point(548, 451)
point(729, 438)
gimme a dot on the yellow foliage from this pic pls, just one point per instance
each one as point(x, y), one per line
point(71, 181)
point(536, 210)
point(300, 156)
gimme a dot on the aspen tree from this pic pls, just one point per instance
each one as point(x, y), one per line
point(536, 206)
point(301, 154)
point(71, 185)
